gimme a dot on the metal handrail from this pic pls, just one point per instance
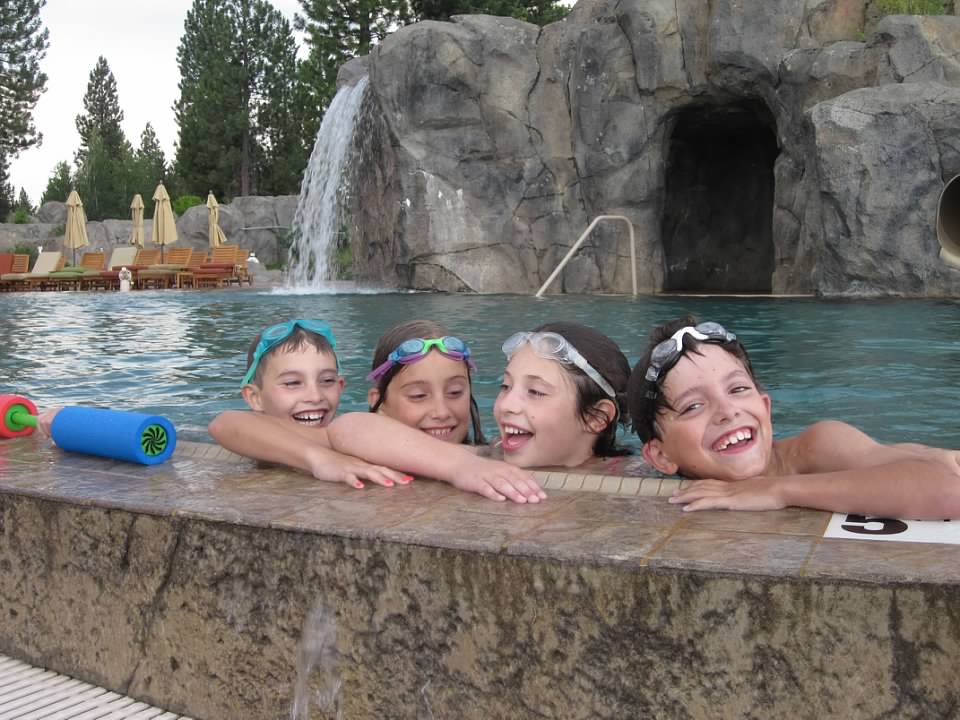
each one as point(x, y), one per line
point(578, 243)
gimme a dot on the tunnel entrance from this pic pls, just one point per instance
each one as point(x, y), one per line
point(718, 213)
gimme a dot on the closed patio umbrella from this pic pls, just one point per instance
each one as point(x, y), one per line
point(214, 231)
point(75, 231)
point(136, 213)
point(164, 225)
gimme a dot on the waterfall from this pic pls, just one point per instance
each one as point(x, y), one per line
point(317, 220)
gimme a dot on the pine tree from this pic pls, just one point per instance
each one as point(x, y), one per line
point(149, 168)
point(103, 179)
point(102, 114)
point(23, 44)
point(236, 57)
point(540, 12)
point(59, 184)
point(336, 31)
point(6, 192)
point(23, 202)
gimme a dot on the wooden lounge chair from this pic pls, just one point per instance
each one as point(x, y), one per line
point(12, 267)
point(164, 275)
point(141, 261)
point(221, 270)
point(71, 278)
point(185, 276)
point(38, 278)
point(123, 256)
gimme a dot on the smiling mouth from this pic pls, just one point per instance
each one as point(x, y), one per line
point(514, 438)
point(737, 440)
point(439, 433)
point(310, 417)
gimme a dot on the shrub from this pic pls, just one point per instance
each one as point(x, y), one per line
point(21, 216)
point(58, 230)
point(185, 202)
point(910, 7)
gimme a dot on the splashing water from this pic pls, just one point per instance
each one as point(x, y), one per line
point(317, 219)
point(317, 654)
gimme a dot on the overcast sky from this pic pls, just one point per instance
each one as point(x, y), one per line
point(139, 39)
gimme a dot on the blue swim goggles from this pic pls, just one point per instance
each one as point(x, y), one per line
point(414, 349)
point(276, 334)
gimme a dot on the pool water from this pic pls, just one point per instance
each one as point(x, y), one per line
point(890, 367)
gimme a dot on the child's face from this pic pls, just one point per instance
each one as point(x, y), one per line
point(432, 395)
point(721, 427)
point(536, 412)
point(301, 384)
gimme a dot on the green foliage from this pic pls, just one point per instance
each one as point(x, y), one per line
point(6, 190)
point(238, 109)
point(336, 31)
point(23, 202)
point(103, 180)
point(23, 44)
point(59, 184)
point(147, 169)
point(343, 263)
point(58, 230)
point(21, 216)
point(910, 7)
point(184, 203)
point(22, 248)
point(540, 12)
point(102, 114)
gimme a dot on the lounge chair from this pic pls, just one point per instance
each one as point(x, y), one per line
point(12, 267)
point(133, 259)
point(222, 268)
point(72, 278)
point(38, 278)
point(185, 276)
point(164, 275)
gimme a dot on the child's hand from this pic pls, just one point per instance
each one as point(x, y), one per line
point(45, 420)
point(498, 480)
point(333, 467)
point(759, 493)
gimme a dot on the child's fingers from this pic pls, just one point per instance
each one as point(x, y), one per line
point(489, 492)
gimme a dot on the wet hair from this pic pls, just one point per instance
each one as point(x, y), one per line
point(425, 329)
point(647, 399)
point(605, 356)
point(298, 339)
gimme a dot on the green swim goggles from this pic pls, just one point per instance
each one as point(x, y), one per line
point(276, 334)
point(414, 349)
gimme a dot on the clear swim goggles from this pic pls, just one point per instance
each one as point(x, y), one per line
point(414, 349)
point(552, 346)
point(666, 354)
point(276, 334)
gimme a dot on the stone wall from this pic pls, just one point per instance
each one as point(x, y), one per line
point(500, 141)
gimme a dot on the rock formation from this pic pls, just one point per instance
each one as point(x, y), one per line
point(769, 147)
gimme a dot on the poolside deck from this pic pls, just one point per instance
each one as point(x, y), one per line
point(186, 586)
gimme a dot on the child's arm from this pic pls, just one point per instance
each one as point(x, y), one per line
point(381, 439)
point(833, 466)
point(277, 440)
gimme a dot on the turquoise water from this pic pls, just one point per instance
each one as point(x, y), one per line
point(889, 367)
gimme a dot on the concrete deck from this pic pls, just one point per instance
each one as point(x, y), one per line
point(186, 586)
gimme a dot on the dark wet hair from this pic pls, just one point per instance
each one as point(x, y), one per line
point(299, 338)
point(646, 399)
point(605, 356)
point(425, 329)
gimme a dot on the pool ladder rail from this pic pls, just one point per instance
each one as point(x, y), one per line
point(32, 693)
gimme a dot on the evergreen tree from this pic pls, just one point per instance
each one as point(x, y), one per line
point(236, 57)
point(149, 168)
point(6, 191)
point(23, 44)
point(23, 202)
point(336, 31)
point(102, 114)
point(59, 184)
point(540, 12)
point(103, 179)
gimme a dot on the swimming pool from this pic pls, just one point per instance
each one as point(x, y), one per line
point(890, 367)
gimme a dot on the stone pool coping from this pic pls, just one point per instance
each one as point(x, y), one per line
point(593, 517)
point(186, 585)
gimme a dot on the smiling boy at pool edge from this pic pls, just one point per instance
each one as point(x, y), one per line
point(293, 386)
point(700, 413)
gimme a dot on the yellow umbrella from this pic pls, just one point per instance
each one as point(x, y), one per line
point(136, 212)
point(214, 231)
point(75, 232)
point(164, 226)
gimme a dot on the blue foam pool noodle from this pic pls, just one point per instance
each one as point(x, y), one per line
point(130, 436)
